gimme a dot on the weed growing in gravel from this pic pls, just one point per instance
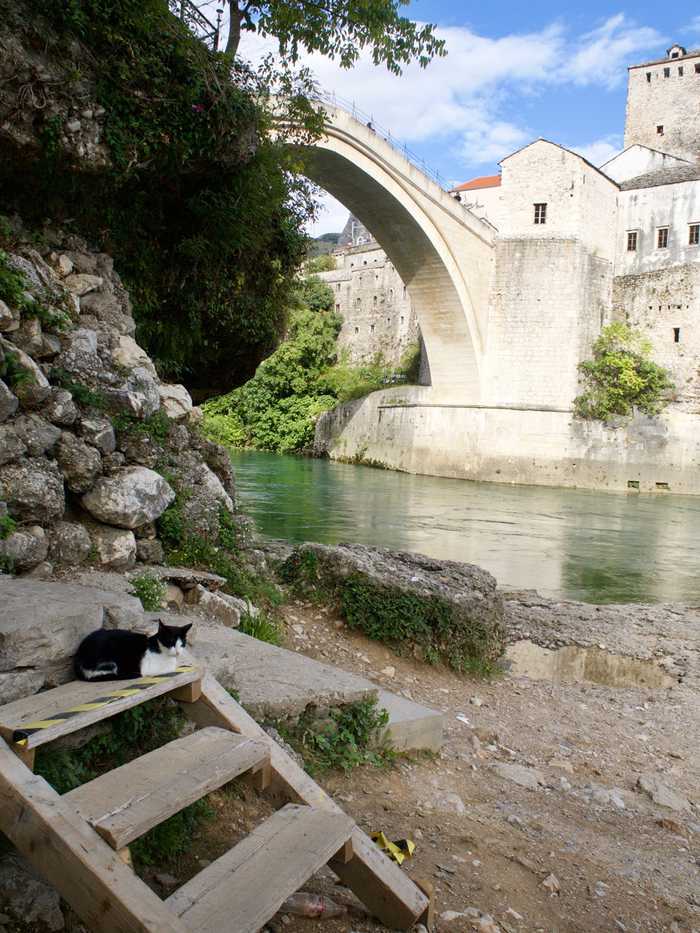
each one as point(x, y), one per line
point(150, 590)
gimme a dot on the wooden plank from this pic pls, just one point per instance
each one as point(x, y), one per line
point(43, 711)
point(246, 886)
point(125, 803)
point(100, 888)
point(379, 883)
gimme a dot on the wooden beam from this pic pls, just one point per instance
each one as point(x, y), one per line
point(106, 894)
point(41, 714)
point(125, 803)
point(387, 892)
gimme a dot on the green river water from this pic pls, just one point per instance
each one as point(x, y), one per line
point(567, 543)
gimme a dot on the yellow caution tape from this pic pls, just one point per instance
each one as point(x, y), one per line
point(22, 734)
point(398, 851)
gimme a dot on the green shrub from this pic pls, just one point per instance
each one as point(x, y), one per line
point(156, 426)
point(351, 735)
point(262, 626)
point(199, 205)
point(12, 371)
point(323, 263)
point(150, 590)
point(407, 622)
point(622, 377)
point(82, 394)
point(12, 284)
point(7, 526)
point(278, 408)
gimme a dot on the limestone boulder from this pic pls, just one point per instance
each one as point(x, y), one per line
point(28, 336)
point(130, 355)
point(175, 401)
point(33, 490)
point(113, 548)
point(7, 318)
point(8, 402)
point(130, 497)
point(81, 284)
point(435, 608)
point(215, 606)
point(206, 494)
point(140, 448)
point(149, 551)
point(36, 377)
point(107, 310)
point(60, 409)
point(25, 548)
point(38, 434)
point(69, 543)
point(98, 431)
point(12, 447)
point(41, 626)
point(137, 396)
point(80, 463)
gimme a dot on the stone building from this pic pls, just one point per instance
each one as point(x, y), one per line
point(580, 246)
point(577, 247)
point(371, 298)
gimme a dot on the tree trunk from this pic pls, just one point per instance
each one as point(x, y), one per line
point(234, 31)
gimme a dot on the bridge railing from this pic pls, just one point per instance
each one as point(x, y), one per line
point(197, 22)
point(335, 100)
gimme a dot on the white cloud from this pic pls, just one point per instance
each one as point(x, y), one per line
point(468, 101)
point(601, 56)
point(693, 25)
point(331, 216)
point(600, 150)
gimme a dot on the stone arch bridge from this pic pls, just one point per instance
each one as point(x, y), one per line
point(443, 252)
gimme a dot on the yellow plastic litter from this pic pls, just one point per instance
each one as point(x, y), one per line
point(398, 851)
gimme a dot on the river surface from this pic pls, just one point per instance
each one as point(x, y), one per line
point(567, 543)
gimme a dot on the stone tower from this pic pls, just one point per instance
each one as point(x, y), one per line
point(663, 102)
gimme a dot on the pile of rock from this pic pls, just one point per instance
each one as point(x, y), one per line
point(92, 444)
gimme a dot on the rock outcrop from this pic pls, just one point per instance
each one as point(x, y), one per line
point(93, 448)
point(441, 609)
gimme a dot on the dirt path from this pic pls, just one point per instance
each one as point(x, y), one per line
point(485, 841)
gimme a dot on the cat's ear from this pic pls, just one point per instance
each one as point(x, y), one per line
point(185, 628)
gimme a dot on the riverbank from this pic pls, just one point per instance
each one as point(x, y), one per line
point(536, 779)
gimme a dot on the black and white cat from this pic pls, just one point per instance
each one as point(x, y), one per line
point(115, 654)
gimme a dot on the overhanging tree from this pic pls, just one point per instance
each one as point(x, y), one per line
point(338, 29)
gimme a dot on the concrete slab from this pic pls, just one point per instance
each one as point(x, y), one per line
point(275, 683)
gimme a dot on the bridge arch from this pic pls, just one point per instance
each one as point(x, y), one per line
point(443, 253)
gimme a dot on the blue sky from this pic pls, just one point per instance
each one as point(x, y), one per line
point(514, 71)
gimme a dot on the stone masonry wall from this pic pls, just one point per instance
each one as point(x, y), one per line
point(374, 304)
point(549, 300)
point(93, 447)
point(664, 305)
point(670, 102)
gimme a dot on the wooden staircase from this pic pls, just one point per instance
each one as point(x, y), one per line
point(79, 841)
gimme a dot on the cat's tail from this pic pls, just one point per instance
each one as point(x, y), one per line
point(105, 670)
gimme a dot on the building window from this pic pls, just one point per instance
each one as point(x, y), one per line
point(358, 302)
point(694, 235)
point(662, 237)
point(676, 335)
point(371, 328)
point(649, 77)
point(337, 287)
point(357, 330)
point(660, 129)
point(667, 72)
point(680, 71)
point(631, 241)
point(697, 68)
point(337, 306)
point(540, 213)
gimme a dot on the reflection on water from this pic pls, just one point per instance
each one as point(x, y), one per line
point(577, 544)
point(573, 665)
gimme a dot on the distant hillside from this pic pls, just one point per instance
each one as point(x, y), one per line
point(322, 245)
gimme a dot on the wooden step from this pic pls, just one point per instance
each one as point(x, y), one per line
point(125, 803)
point(245, 887)
point(43, 717)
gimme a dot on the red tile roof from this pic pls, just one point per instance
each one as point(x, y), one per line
point(486, 181)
